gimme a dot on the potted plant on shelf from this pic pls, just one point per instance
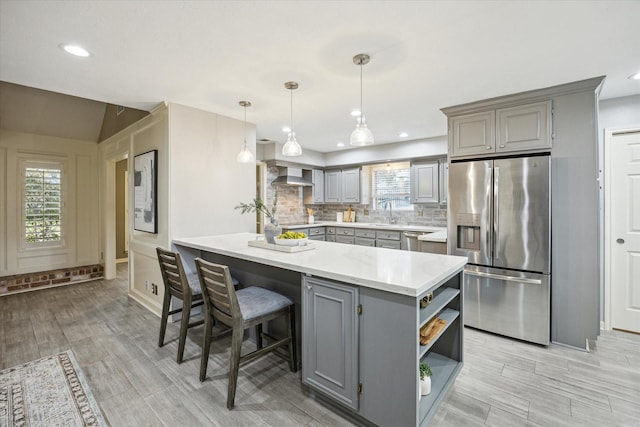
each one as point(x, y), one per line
point(425, 379)
point(271, 229)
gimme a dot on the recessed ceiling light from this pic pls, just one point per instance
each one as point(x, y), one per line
point(355, 113)
point(340, 144)
point(75, 50)
point(403, 134)
point(286, 129)
point(635, 76)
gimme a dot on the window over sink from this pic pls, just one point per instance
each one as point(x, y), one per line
point(391, 184)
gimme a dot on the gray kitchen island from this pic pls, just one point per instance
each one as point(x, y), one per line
point(359, 318)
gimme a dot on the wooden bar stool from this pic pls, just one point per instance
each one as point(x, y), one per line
point(187, 289)
point(241, 310)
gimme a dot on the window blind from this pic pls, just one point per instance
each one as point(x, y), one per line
point(42, 204)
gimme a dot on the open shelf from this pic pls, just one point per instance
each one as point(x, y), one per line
point(449, 315)
point(444, 370)
point(441, 297)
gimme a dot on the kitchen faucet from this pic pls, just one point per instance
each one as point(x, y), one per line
point(391, 220)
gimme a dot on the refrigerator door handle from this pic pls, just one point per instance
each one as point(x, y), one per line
point(487, 245)
point(496, 212)
point(505, 278)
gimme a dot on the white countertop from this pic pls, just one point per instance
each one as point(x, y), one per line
point(441, 231)
point(391, 270)
point(438, 236)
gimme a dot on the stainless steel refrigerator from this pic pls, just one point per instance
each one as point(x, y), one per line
point(500, 220)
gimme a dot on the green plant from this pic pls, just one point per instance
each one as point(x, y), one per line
point(425, 371)
point(259, 206)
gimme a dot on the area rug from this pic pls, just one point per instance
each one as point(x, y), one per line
point(50, 391)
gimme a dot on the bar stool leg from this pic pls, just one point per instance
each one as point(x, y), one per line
point(293, 351)
point(165, 314)
point(259, 335)
point(236, 347)
point(206, 345)
point(184, 326)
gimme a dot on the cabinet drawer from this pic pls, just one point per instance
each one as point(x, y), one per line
point(388, 235)
point(345, 231)
point(389, 244)
point(331, 238)
point(316, 231)
point(369, 234)
point(331, 230)
point(320, 237)
point(365, 242)
point(296, 230)
point(345, 239)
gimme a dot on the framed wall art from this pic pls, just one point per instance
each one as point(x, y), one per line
point(145, 186)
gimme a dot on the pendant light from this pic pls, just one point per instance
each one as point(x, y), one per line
point(245, 156)
point(361, 135)
point(291, 147)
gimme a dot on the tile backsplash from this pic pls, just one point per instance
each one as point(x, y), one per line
point(292, 210)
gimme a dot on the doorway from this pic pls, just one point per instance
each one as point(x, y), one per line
point(122, 211)
point(622, 229)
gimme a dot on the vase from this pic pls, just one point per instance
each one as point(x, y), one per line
point(425, 386)
point(272, 230)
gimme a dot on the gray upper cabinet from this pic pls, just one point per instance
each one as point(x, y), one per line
point(351, 185)
point(525, 127)
point(424, 182)
point(315, 194)
point(342, 186)
point(472, 134)
point(333, 186)
point(330, 331)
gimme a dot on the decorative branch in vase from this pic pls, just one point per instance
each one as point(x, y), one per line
point(272, 229)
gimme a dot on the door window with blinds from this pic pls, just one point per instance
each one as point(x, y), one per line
point(42, 204)
point(391, 185)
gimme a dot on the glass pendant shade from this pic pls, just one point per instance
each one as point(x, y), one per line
point(291, 147)
point(361, 135)
point(245, 156)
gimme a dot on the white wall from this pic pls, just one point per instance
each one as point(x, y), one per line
point(377, 153)
point(199, 184)
point(206, 181)
point(80, 213)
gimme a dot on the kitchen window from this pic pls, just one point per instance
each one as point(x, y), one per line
point(391, 183)
point(42, 203)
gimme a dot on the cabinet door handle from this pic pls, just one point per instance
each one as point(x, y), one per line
point(488, 147)
point(309, 287)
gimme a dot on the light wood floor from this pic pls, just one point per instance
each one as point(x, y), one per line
point(503, 383)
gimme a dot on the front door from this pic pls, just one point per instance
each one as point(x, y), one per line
point(625, 230)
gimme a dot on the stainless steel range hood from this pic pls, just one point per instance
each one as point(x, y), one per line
point(291, 176)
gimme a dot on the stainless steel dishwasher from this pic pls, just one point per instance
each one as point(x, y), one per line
point(410, 241)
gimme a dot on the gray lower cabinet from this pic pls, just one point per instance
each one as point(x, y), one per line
point(388, 239)
point(330, 331)
point(316, 233)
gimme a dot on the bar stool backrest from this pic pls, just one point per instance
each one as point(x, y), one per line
point(219, 293)
point(175, 280)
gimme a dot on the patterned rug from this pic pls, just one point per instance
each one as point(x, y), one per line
point(47, 392)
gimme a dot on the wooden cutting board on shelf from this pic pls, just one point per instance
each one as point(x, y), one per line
point(431, 329)
point(349, 216)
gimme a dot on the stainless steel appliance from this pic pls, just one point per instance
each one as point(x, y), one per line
point(499, 219)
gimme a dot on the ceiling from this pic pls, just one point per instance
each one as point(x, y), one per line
point(425, 55)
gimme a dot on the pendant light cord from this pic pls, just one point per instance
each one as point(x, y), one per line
point(361, 112)
point(291, 92)
point(244, 134)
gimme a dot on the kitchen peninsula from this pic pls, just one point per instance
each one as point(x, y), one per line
point(360, 317)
